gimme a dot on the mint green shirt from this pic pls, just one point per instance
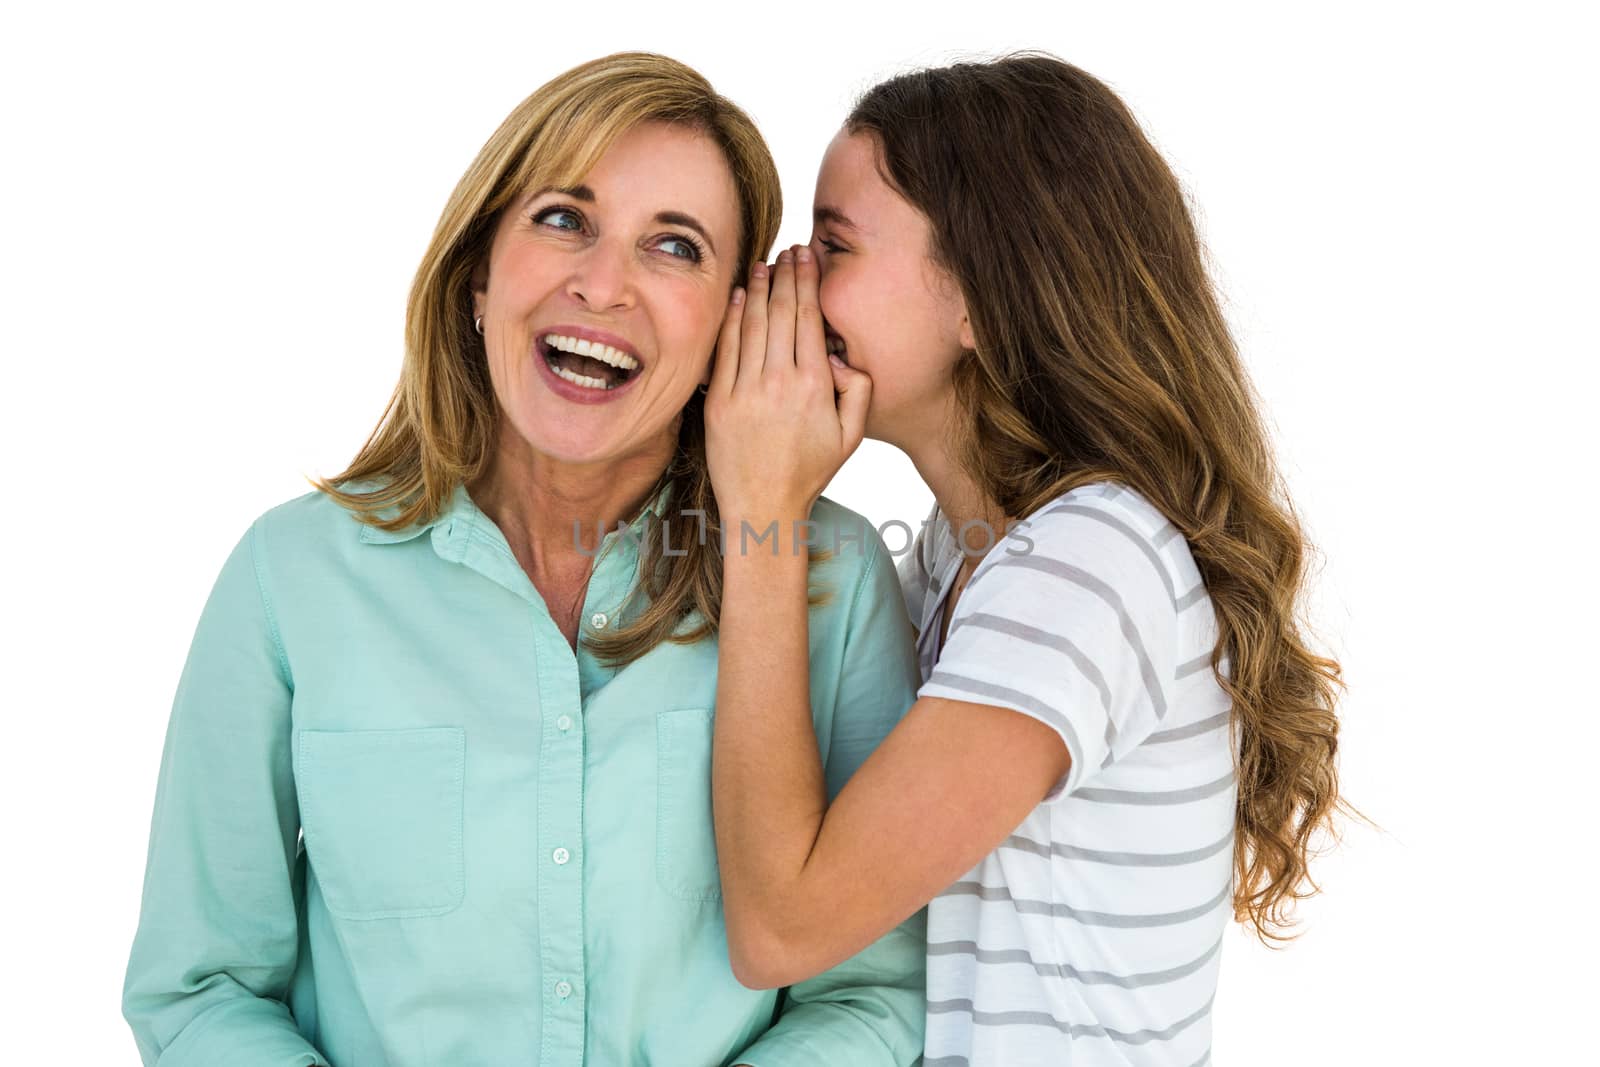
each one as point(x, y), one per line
point(399, 823)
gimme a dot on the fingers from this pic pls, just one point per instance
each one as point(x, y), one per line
point(810, 344)
point(725, 368)
point(753, 329)
point(780, 316)
point(855, 393)
point(780, 324)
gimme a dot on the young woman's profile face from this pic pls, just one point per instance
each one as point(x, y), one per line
point(601, 303)
point(901, 317)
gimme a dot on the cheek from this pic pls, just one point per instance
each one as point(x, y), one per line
point(702, 318)
point(839, 299)
point(688, 319)
point(522, 274)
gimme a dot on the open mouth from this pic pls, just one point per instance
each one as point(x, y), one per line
point(835, 343)
point(588, 364)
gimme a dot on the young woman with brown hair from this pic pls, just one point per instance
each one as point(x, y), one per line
point(1122, 737)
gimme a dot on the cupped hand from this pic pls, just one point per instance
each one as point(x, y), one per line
point(781, 415)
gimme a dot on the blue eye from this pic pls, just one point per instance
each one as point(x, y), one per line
point(559, 212)
point(691, 248)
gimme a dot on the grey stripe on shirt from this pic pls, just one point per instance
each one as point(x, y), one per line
point(1000, 957)
point(1040, 1018)
point(1119, 859)
point(1000, 893)
point(1016, 696)
point(1084, 580)
point(1194, 729)
point(1157, 797)
point(1104, 517)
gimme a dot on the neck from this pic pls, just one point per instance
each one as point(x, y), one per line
point(547, 508)
point(959, 496)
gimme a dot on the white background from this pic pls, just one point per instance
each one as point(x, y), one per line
point(211, 217)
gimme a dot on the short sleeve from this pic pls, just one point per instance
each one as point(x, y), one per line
point(1069, 621)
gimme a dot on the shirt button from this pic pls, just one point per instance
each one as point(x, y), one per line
point(598, 620)
point(564, 723)
point(561, 856)
point(563, 990)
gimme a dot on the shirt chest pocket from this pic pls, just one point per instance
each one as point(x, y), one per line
point(686, 844)
point(382, 816)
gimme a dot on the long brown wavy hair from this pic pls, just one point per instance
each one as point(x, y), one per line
point(438, 430)
point(1102, 355)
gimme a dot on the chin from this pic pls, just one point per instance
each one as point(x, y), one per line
point(564, 443)
point(575, 451)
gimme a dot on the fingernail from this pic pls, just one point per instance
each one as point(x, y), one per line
point(835, 360)
point(758, 271)
point(785, 256)
point(738, 295)
point(803, 254)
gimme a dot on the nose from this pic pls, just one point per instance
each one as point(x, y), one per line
point(602, 277)
point(819, 255)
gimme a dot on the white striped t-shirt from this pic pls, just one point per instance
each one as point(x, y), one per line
point(1092, 935)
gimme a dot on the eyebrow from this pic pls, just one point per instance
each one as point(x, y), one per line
point(828, 213)
point(669, 218)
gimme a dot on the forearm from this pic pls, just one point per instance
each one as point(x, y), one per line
point(769, 790)
point(867, 1010)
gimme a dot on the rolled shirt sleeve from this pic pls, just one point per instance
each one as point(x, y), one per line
point(870, 1009)
point(217, 937)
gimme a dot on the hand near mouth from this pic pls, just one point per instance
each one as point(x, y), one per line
point(776, 432)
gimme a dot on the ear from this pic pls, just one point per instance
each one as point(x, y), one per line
point(964, 334)
point(480, 287)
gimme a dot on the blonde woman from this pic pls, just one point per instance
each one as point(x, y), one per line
point(476, 669)
point(1122, 739)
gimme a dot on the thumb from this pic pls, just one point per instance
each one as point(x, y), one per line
point(855, 392)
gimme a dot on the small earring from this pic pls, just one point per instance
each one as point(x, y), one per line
point(477, 324)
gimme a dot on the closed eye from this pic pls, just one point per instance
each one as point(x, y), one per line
point(830, 247)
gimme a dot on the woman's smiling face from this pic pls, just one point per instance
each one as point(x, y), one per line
point(601, 303)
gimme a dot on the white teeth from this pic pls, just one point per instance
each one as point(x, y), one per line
point(593, 349)
point(581, 379)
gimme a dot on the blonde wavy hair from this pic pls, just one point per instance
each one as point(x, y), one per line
point(438, 429)
point(1103, 355)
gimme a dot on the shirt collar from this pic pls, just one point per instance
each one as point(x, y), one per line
point(461, 515)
